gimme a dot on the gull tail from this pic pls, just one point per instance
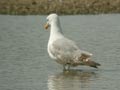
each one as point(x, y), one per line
point(86, 60)
point(91, 63)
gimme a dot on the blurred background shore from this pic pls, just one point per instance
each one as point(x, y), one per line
point(64, 7)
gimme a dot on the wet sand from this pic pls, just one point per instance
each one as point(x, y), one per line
point(40, 7)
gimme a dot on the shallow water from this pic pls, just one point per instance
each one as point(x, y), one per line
point(25, 64)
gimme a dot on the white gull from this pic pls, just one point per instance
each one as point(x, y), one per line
point(63, 50)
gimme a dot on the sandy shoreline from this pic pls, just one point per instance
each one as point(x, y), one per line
point(42, 7)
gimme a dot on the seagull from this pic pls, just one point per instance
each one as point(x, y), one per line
point(63, 50)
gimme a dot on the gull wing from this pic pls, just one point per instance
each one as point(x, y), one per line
point(63, 48)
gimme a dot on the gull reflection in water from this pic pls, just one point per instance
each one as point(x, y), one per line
point(72, 80)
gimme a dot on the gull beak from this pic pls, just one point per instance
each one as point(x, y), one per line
point(46, 26)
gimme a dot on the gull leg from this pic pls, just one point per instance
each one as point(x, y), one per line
point(68, 67)
point(64, 67)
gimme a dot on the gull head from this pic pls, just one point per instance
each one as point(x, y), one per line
point(52, 18)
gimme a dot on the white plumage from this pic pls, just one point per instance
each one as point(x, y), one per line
point(64, 50)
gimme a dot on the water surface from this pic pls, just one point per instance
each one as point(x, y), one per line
point(25, 64)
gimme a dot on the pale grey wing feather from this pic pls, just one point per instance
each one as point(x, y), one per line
point(68, 50)
point(64, 48)
point(85, 54)
point(65, 45)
